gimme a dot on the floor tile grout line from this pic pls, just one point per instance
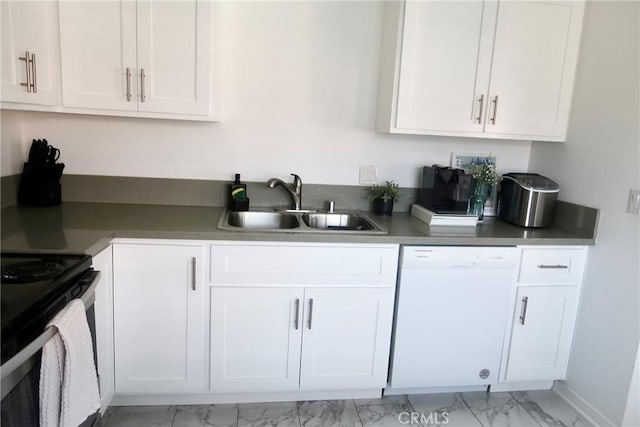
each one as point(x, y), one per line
point(525, 409)
point(469, 408)
point(175, 414)
point(413, 409)
point(358, 412)
point(298, 412)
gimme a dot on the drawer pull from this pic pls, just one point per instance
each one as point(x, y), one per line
point(481, 102)
point(495, 110)
point(523, 310)
point(128, 74)
point(310, 312)
point(34, 74)
point(553, 267)
point(143, 76)
point(193, 273)
point(27, 60)
point(297, 313)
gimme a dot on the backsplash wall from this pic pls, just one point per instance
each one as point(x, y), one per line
point(297, 93)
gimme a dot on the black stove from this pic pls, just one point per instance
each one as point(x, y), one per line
point(35, 287)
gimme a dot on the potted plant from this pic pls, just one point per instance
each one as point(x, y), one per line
point(383, 197)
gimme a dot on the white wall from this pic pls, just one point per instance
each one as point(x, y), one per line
point(298, 87)
point(597, 166)
point(13, 143)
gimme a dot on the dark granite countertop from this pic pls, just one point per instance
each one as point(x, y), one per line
point(75, 227)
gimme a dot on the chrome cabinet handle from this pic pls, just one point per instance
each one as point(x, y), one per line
point(553, 267)
point(310, 312)
point(128, 84)
point(523, 310)
point(193, 273)
point(143, 96)
point(26, 58)
point(495, 109)
point(297, 318)
point(34, 74)
point(481, 101)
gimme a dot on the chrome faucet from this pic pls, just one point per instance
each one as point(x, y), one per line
point(294, 190)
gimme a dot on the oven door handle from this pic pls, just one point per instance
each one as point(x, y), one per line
point(10, 366)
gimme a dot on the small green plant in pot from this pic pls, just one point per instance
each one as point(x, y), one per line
point(383, 197)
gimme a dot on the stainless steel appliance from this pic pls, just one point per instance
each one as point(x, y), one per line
point(527, 199)
point(34, 289)
point(444, 190)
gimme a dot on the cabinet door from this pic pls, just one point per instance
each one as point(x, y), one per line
point(534, 60)
point(103, 262)
point(33, 27)
point(444, 67)
point(98, 47)
point(255, 336)
point(174, 44)
point(159, 318)
point(346, 338)
point(542, 331)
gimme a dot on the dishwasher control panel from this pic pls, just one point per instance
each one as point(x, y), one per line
point(459, 256)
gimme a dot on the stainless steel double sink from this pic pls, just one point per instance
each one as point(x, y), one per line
point(300, 222)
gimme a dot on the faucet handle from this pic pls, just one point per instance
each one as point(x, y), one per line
point(332, 206)
point(296, 180)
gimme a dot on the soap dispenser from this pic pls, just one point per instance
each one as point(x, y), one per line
point(238, 200)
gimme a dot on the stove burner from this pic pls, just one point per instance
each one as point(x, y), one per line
point(32, 271)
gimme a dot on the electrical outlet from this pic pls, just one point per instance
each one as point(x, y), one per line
point(368, 175)
point(633, 206)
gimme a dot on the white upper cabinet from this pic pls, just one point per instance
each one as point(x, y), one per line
point(30, 58)
point(437, 78)
point(489, 69)
point(98, 48)
point(151, 58)
point(534, 60)
point(174, 44)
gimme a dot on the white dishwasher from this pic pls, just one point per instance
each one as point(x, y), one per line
point(451, 314)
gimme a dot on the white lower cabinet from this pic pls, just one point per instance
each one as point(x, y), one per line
point(315, 318)
point(290, 338)
point(159, 318)
point(324, 327)
point(346, 338)
point(539, 337)
point(254, 339)
point(103, 262)
point(542, 330)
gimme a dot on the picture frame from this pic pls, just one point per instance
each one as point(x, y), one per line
point(464, 161)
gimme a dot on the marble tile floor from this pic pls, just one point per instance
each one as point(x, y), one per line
point(477, 409)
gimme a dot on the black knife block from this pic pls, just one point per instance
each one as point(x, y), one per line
point(37, 188)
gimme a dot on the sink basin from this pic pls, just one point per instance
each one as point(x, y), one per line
point(300, 222)
point(337, 221)
point(263, 220)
